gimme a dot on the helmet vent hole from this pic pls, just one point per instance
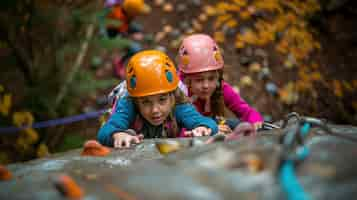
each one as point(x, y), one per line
point(133, 82)
point(169, 76)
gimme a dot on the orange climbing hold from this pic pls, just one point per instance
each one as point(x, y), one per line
point(5, 174)
point(94, 148)
point(68, 187)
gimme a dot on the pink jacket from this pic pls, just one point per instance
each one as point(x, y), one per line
point(233, 102)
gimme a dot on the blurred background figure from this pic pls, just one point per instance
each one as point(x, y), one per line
point(119, 16)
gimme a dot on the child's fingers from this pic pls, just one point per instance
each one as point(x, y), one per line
point(205, 131)
point(118, 143)
point(140, 136)
point(136, 139)
point(127, 142)
point(188, 133)
point(197, 132)
point(209, 131)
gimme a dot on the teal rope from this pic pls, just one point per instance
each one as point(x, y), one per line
point(287, 177)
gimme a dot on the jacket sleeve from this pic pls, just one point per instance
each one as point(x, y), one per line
point(188, 117)
point(120, 120)
point(238, 106)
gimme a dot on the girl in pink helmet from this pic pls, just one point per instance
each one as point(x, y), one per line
point(201, 69)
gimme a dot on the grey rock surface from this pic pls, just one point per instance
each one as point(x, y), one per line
point(216, 171)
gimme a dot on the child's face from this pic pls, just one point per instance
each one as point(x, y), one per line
point(203, 84)
point(156, 108)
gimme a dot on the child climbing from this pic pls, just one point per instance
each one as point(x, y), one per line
point(155, 107)
point(123, 12)
point(201, 69)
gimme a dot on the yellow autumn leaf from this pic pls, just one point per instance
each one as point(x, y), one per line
point(239, 44)
point(209, 10)
point(282, 47)
point(42, 151)
point(317, 45)
point(316, 76)
point(234, 8)
point(245, 14)
point(337, 88)
point(303, 74)
point(5, 104)
point(22, 119)
point(268, 5)
point(249, 37)
point(221, 19)
point(219, 36)
point(289, 64)
point(347, 86)
point(302, 86)
point(288, 94)
point(31, 136)
point(231, 23)
point(240, 2)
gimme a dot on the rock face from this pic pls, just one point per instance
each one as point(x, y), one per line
point(247, 168)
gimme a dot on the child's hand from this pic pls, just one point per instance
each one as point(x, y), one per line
point(123, 140)
point(258, 125)
point(245, 129)
point(224, 129)
point(199, 131)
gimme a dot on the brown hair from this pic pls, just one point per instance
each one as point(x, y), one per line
point(217, 99)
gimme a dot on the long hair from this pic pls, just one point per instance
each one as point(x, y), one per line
point(217, 98)
point(171, 127)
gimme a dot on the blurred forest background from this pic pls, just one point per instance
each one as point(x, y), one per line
point(282, 56)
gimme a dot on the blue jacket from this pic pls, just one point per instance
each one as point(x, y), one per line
point(125, 114)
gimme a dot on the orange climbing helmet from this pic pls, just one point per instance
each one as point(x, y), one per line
point(135, 7)
point(199, 53)
point(150, 72)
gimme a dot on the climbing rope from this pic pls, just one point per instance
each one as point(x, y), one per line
point(287, 177)
point(294, 151)
point(55, 122)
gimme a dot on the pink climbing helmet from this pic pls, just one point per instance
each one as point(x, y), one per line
point(199, 53)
